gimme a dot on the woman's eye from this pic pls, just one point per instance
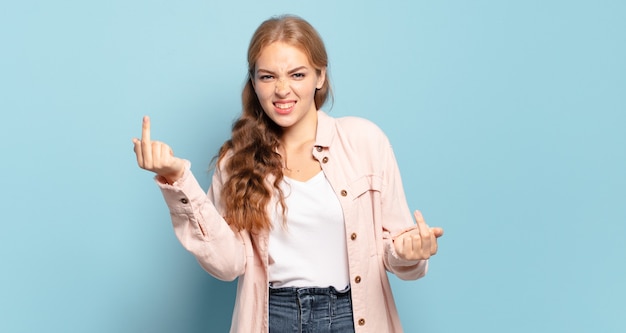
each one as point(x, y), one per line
point(265, 77)
point(298, 75)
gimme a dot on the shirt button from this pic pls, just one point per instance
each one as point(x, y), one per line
point(344, 193)
point(353, 236)
point(361, 322)
point(325, 159)
point(319, 148)
point(184, 200)
point(357, 279)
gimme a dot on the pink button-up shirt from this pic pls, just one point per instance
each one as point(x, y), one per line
point(356, 157)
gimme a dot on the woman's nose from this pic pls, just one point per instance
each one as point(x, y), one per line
point(282, 87)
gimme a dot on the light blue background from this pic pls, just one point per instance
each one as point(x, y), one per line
point(507, 118)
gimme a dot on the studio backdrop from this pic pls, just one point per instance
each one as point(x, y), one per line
point(507, 119)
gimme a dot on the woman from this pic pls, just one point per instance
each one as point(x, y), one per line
point(306, 210)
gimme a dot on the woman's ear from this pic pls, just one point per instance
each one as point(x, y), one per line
point(251, 78)
point(321, 78)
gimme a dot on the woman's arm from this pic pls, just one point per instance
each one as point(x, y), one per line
point(407, 245)
point(200, 228)
point(197, 222)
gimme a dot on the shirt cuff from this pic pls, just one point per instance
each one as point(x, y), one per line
point(177, 184)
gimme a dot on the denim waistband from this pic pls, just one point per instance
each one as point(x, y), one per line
point(310, 309)
point(300, 291)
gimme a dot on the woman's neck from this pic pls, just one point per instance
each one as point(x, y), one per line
point(297, 147)
point(301, 134)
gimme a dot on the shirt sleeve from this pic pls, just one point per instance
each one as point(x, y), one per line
point(200, 227)
point(397, 218)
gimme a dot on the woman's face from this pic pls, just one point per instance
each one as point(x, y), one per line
point(285, 83)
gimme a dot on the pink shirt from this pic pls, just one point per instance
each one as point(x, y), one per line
point(359, 163)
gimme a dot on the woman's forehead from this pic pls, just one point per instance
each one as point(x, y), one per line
point(283, 56)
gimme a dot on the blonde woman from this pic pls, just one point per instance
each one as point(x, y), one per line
point(307, 211)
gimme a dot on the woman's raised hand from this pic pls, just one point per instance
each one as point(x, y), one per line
point(157, 156)
point(419, 243)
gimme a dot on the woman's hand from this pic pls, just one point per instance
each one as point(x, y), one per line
point(157, 156)
point(419, 243)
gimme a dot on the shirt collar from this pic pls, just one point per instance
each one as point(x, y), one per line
point(325, 129)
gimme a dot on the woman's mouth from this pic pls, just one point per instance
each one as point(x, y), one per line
point(284, 107)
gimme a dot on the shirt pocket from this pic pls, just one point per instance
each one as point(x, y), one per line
point(364, 184)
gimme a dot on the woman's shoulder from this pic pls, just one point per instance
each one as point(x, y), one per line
point(356, 121)
point(219, 163)
point(360, 129)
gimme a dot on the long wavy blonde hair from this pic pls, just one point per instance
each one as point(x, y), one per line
point(252, 148)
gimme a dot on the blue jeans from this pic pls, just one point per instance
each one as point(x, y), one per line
point(310, 310)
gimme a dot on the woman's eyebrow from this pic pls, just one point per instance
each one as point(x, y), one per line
point(261, 70)
point(291, 71)
point(297, 69)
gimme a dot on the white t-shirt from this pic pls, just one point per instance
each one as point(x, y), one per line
point(310, 249)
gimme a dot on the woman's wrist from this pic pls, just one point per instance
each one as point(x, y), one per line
point(171, 178)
